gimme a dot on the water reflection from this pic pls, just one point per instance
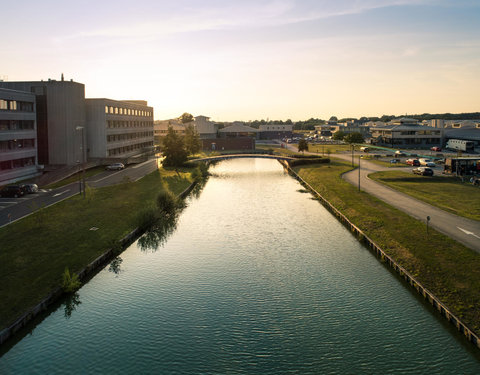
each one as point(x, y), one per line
point(115, 266)
point(71, 303)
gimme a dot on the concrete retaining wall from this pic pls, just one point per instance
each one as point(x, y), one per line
point(380, 253)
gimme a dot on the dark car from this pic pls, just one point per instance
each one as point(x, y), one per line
point(424, 171)
point(14, 191)
point(414, 162)
point(436, 149)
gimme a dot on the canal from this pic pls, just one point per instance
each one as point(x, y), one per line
point(257, 278)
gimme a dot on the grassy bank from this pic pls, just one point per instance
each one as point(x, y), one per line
point(450, 270)
point(449, 194)
point(36, 249)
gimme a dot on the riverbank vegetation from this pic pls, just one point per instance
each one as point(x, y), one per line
point(36, 250)
point(447, 193)
point(445, 267)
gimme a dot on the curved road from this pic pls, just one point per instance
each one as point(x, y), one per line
point(463, 230)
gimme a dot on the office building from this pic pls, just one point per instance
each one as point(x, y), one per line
point(118, 129)
point(60, 111)
point(18, 136)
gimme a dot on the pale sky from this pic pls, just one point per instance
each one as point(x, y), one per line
point(254, 59)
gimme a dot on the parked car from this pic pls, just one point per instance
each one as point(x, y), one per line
point(436, 149)
point(424, 161)
point(394, 161)
point(399, 153)
point(30, 188)
point(14, 191)
point(424, 171)
point(115, 167)
point(413, 162)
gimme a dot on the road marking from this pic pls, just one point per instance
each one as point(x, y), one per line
point(141, 164)
point(468, 232)
point(110, 175)
point(63, 192)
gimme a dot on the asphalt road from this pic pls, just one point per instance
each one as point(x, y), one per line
point(461, 229)
point(12, 209)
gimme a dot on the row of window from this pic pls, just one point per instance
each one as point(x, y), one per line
point(15, 105)
point(128, 136)
point(16, 144)
point(17, 163)
point(112, 124)
point(409, 132)
point(127, 111)
point(17, 125)
point(128, 149)
point(164, 131)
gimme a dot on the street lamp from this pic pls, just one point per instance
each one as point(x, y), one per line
point(359, 172)
point(83, 161)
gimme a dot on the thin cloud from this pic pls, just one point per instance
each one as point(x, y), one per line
point(237, 16)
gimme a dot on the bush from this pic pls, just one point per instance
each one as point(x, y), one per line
point(167, 202)
point(146, 218)
point(70, 282)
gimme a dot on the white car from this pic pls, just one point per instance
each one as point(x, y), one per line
point(115, 167)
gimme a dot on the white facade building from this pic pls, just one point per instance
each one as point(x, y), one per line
point(118, 129)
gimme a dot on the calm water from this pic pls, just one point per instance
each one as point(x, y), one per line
point(258, 278)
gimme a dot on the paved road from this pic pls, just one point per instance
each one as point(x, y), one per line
point(12, 209)
point(463, 230)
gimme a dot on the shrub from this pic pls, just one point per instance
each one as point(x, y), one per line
point(166, 202)
point(70, 282)
point(146, 218)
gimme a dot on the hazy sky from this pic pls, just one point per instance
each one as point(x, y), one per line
point(254, 59)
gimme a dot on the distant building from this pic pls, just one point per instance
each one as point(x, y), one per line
point(406, 133)
point(275, 131)
point(206, 129)
point(18, 136)
point(160, 127)
point(118, 129)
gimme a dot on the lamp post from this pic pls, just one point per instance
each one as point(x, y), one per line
point(358, 172)
point(353, 148)
point(83, 160)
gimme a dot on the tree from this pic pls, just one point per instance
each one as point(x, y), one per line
point(192, 140)
point(174, 149)
point(339, 135)
point(353, 138)
point(302, 145)
point(333, 118)
point(186, 117)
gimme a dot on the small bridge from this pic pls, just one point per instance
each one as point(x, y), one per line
point(240, 156)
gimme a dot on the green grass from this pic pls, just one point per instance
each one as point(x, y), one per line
point(333, 149)
point(447, 193)
point(36, 250)
point(450, 270)
point(74, 178)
